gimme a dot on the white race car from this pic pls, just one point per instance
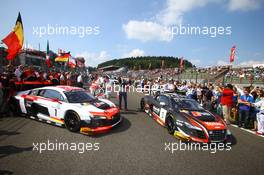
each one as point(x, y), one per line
point(73, 107)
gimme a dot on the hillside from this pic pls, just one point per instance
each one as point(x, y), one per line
point(147, 62)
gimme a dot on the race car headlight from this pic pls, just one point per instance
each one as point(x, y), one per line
point(87, 121)
point(192, 127)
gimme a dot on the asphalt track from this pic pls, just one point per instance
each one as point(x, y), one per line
point(137, 146)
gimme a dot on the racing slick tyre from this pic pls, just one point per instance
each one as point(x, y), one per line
point(170, 125)
point(72, 121)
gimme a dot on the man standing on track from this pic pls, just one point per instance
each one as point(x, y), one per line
point(122, 92)
point(227, 101)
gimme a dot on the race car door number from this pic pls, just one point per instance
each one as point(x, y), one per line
point(163, 114)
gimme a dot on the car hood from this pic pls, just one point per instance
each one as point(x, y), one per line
point(207, 119)
point(101, 108)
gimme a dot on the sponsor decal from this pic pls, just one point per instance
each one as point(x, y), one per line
point(205, 113)
point(85, 129)
point(199, 114)
point(213, 124)
point(156, 110)
point(196, 114)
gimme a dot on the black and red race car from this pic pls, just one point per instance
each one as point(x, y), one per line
point(185, 118)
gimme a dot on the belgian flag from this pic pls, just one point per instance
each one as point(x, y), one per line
point(14, 40)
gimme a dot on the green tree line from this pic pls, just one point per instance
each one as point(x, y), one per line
point(147, 62)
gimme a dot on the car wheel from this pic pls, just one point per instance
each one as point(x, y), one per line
point(170, 125)
point(72, 121)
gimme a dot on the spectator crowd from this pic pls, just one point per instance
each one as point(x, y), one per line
point(243, 106)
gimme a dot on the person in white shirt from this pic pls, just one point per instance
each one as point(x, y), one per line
point(62, 77)
point(19, 72)
point(107, 87)
point(260, 116)
point(80, 81)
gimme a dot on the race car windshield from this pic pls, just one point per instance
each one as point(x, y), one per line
point(79, 97)
point(188, 104)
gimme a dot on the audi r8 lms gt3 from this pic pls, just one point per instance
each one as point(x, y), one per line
point(185, 118)
point(70, 106)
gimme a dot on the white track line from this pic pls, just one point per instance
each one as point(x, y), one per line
point(247, 130)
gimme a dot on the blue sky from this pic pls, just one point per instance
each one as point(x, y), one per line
point(135, 28)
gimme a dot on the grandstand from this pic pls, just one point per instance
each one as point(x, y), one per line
point(225, 74)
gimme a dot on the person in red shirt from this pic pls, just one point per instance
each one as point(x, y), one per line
point(227, 101)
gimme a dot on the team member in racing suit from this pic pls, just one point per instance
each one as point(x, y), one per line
point(260, 116)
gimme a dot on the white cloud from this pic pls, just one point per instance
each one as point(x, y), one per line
point(222, 63)
point(240, 64)
point(196, 62)
point(244, 5)
point(146, 31)
point(175, 9)
point(251, 62)
point(134, 53)
point(173, 14)
point(93, 59)
point(156, 29)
